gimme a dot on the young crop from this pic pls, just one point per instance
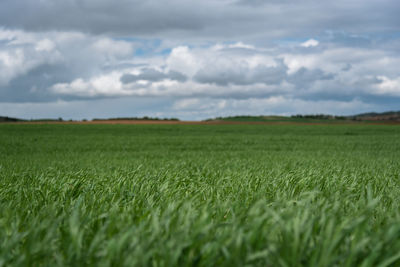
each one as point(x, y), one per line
point(201, 195)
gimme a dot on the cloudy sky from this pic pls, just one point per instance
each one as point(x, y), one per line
point(198, 59)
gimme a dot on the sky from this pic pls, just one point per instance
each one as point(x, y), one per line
point(192, 60)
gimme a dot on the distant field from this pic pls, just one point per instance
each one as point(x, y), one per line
point(199, 195)
point(225, 121)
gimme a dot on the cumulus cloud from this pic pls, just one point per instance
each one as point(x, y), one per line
point(30, 63)
point(304, 77)
point(310, 43)
point(152, 75)
point(225, 72)
point(387, 86)
point(45, 45)
point(242, 73)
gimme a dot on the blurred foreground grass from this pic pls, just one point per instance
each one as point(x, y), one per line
point(201, 195)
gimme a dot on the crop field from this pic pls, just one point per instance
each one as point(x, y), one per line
point(199, 195)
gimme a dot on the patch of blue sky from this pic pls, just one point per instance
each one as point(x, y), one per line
point(149, 51)
point(386, 35)
point(359, 39)
point(146, 47)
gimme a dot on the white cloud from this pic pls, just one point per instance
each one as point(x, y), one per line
point(112, 48)
point(241, 45)
point(45, 45)
point(310, 43)
point(103, 85)
point(11, 64)
point(182, 59)
point(387, 86)
point(77, 53)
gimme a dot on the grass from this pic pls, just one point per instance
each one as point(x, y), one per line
point(199, 195)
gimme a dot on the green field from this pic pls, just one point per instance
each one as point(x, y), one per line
point(199, 195)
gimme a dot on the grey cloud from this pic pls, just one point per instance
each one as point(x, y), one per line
point(304, 77)
point(260, 74)
point(242, 76)
point(177, 76)
point(94, 16)
point(258, 3)
point(122, 66)
point(32, 86)
point(335, 89)
point(333, 93)
point(153, 75)
point(202, 19)
point(347, 67)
